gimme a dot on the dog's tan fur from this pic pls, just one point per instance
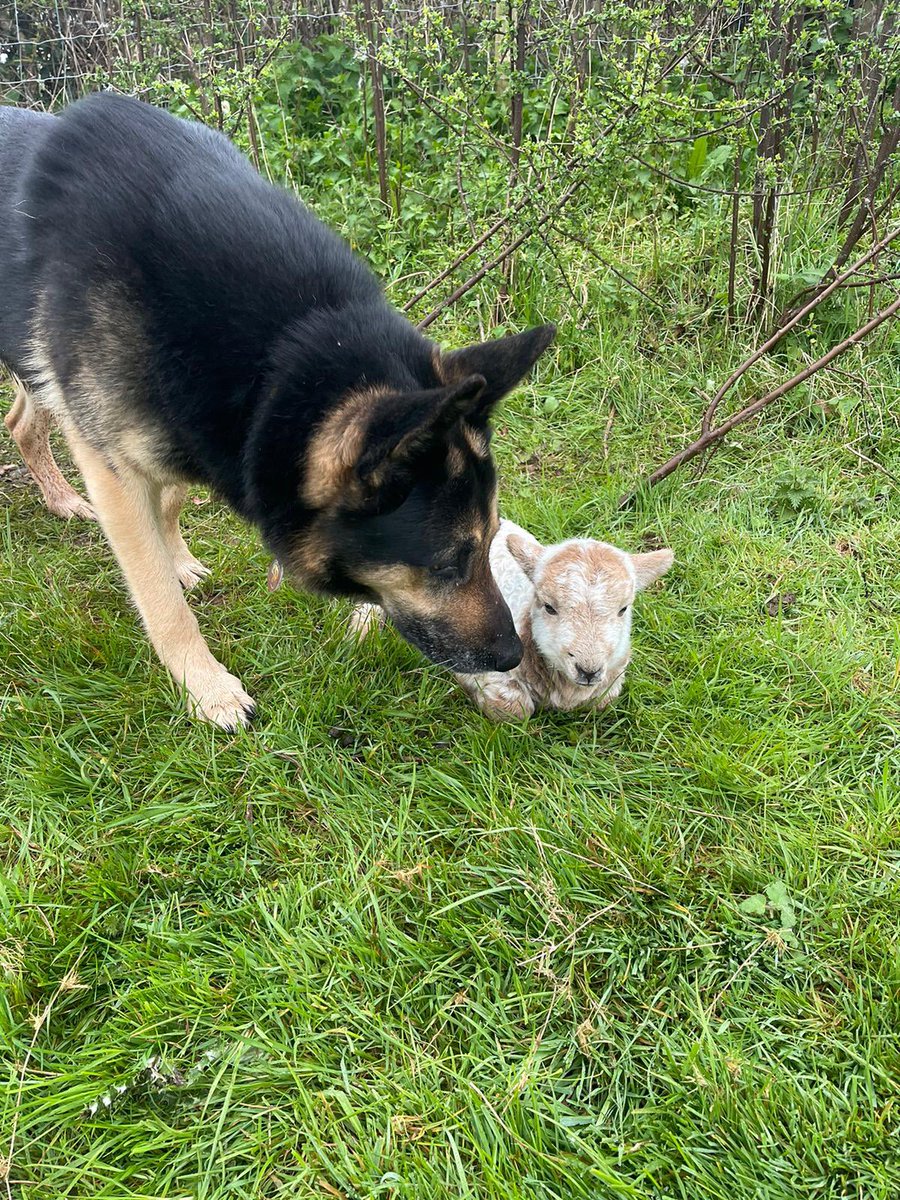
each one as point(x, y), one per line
point(137, 502)
point(476, 441)
point(335, 448)
point(130, 508)
point(167, 357)
point(188, 569)
point(30, 428)
point(407, 589)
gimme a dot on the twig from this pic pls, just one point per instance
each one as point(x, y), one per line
point(704, 65)
point(788, 326)
point(617, 271)
point(872, 281)
point(579, 304)
point(712, 436)
point(476, 278)
point(507, 251)
point(733, 244)
point(378, 109)
point(732, 192)
point(256, 74)
point(467, 253)
point(873, 463)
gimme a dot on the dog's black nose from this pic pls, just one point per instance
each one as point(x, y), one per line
point(508, 654)
point(584, 675)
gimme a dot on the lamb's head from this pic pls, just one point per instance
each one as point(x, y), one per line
point(581, 611)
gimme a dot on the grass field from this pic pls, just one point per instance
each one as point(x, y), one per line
point(377, 947)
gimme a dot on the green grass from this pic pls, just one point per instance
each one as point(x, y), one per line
point(377, 947)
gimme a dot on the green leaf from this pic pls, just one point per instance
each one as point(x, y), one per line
point(698, 157)
point(753, 906)
point(782, 903)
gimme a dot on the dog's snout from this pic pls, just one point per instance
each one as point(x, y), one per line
point(508, 654)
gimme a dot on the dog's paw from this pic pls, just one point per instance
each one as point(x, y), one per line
point(363, 620)
point(222, 701)
point(190, 571)
point(68, 504)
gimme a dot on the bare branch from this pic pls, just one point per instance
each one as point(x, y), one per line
point(712, 436)
point(788, 326)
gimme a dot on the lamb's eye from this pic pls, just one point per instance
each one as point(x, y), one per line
point(550, 609)
point(623, 611)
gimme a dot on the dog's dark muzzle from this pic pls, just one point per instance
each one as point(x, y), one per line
point(501, 650)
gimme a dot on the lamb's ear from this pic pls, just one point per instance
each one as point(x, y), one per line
point(649, 567)
point(503, 362)
point(526, 551)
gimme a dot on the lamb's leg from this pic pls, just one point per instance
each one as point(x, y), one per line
point(364, 619)
point(499, 695)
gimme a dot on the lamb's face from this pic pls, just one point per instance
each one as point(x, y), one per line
point(581, 612)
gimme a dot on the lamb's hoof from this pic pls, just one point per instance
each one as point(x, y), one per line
point(363, 620)
point(508, 704)
point(506, 713)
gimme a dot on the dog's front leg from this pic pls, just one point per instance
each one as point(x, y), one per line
point(129, 508)
point(188, 569)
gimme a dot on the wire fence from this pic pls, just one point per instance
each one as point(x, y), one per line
point(52, 53)
point(760, 107)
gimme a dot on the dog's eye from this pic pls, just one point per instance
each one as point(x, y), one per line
point(550, 609)
point(623, 611)
point(444, 573)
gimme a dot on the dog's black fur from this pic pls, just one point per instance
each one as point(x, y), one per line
point(216, 315)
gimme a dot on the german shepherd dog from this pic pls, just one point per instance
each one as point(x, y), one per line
point(185, 321)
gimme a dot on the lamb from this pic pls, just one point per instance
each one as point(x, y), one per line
point(571, 604)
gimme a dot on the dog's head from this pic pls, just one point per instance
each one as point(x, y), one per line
point(405, 498)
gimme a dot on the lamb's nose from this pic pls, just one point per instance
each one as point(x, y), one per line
point(585, 675)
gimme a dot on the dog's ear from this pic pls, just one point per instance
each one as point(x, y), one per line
point(403, 428)
point(503, 362)
point(649, 567)
point(526, 551)
point(362, 458)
